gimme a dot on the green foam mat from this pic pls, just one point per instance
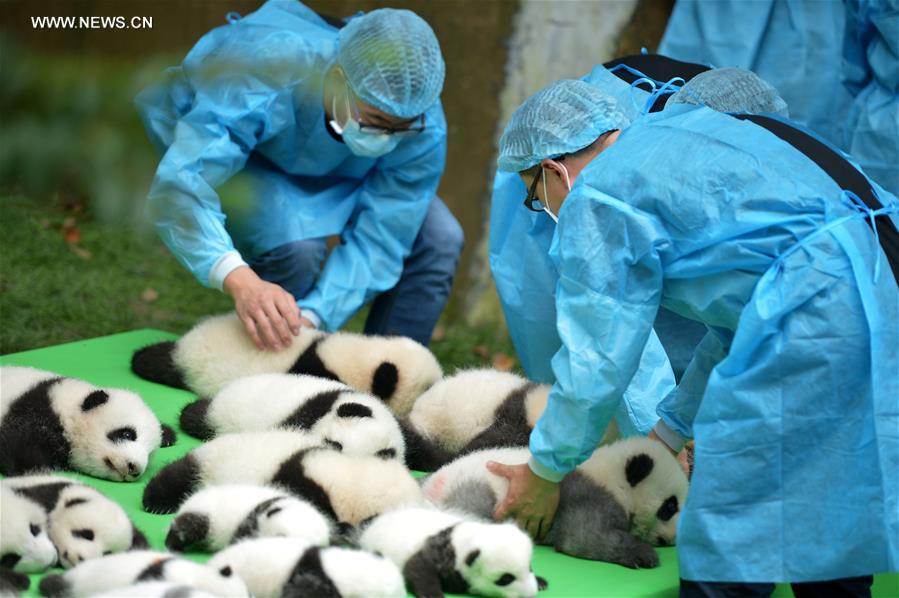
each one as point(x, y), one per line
point(105, 361)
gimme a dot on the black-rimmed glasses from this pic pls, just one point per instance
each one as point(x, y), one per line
point(532, 202)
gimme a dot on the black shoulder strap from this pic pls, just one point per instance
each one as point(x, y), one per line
point(658, 67)
point(844, 174)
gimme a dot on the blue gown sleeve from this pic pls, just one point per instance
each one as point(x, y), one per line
point(392, 206)
point(610, 282)
point(678, 409)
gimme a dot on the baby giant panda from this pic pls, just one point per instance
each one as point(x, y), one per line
point(220, 515)
point(122, 570)
point(347, 489)
point(481, 408)
point(273, 567)
point(613, 507)
point(82, 523)
point(349, 421)
point(51, 422)
point(25, 544)
point(218, 350)
point(440, 551)
point(162, 589)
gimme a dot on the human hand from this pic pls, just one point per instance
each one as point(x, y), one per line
point(268, 312)
point(531, 500)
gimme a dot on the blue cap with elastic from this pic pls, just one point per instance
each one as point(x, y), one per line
point(560, 119)
point(731, 90)
point(392, 61)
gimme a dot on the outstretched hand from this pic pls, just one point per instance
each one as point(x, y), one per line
point(530, 500)
point(268, 312)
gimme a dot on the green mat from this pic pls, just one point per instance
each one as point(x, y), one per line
point(105, 361)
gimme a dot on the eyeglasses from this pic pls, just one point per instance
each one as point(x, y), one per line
point(532, 202)
point(414, 128)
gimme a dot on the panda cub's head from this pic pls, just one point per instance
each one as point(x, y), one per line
point(494, 559)
point(24, 541)
point(361, 425)
point(649, 483)
point(112, 431)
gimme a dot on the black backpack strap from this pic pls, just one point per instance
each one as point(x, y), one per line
point(655, 66)
point(844, 174)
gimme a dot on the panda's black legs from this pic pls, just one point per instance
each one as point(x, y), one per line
point(422, 577)
point(54, 586)
point(193, 419)
point(155, 363)
point(172, 485)
point(186, 531)
point(421, 453)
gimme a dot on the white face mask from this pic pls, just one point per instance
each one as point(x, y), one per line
point(546, 194)
point(366, 145)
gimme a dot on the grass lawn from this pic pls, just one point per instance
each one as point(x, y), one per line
point(65, 276)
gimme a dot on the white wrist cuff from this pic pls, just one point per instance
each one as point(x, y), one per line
point(543, 471)
point(674, 440)
point(311, 316)
point(223, 267)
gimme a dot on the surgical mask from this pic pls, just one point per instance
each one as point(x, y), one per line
point(366, 145)
point(546, 194)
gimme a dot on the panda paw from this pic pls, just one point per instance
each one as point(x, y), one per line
point(643, 557)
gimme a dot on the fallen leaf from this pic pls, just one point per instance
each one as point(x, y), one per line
point(503, 362)
point(81, 252)
point(481, 351)
point(149, 295)
point(71, 235)
point(439, 334)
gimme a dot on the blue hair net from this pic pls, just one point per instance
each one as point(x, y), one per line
point(560, 119)
point(392, 60)
point(731, 90)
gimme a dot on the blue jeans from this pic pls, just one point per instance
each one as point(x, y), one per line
point(412, 307)
point(851, 587)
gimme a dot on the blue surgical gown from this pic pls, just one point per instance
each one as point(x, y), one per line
point(793, 395)
point(248, 99)
point(796, 45)
point(526, 279)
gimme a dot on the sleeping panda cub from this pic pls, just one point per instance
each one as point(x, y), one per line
point(614, 507)
point(82, 523)
point(347, 489)
point(122, 570)
point(51, 422)
point(162, 589)
point(442, 551)
point(273, 567)
point(25, 544)
point(349, 421)
point(218, 350)
point(221, 515)
point(480, 408)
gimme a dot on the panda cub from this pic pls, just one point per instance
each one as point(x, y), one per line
point(82, 523)
point(122, 570)
point(218, 350)
point(221, 515)
point(480, 408)
point(349, 421)
point(51, 422)
point(441, 551)
point(163, 589)
point(614, 507)
point(347, 489)
point(273, 567)
point(25, 544)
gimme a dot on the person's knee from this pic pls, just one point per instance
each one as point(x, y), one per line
point(293, 265)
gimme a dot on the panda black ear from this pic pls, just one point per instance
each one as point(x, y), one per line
point(472, 557)
point(354, 410)
point(95, 399)
point(638, 468)
point(168, 436)
point(138, 539)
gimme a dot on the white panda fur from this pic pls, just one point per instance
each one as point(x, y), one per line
point(82, 523)
point(481, 408)
point(348, 489)
point(25, 543)
point(218, 516)
point(631, 487)
point(441, 551)
point(53, 422)
point(155, 589)
point(273, 567)
point(218, 350)
point(329, 411)
point(122, 570)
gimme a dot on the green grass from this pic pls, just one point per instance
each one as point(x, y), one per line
point(119, 278)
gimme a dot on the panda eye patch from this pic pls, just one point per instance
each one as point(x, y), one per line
point(274, 512)
point(84, 533)
point(387, 453)
point(668, 508)
point(333, 444)
point(35, 529)
point(122, 435)
point(505, 580)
